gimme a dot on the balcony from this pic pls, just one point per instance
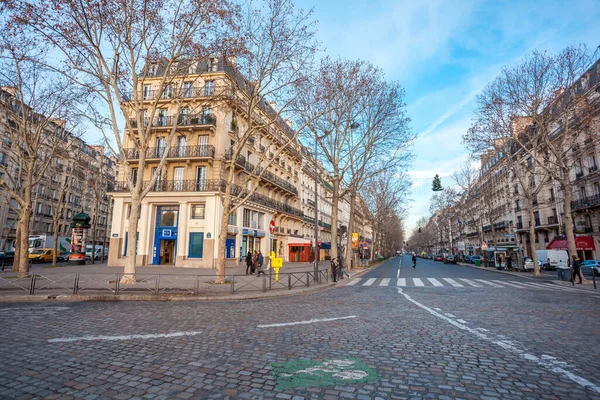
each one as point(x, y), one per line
point(487, 228)
point(552, 221)
point(593, 168)
point(520, 225)
point(203, 151)
point(588, 229)
point(587, 202)
point(500, 225)
point(310, 202)
point(186, 93)
point(213, 185)
point(579, 174)
point(181, 120)
point(309, 219)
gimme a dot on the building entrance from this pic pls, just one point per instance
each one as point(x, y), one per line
point(167, 252)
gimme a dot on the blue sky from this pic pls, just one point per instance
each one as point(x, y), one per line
point(444, 53)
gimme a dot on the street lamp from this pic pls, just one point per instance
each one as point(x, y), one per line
point(316, 244)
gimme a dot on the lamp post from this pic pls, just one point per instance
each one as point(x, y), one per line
point(316, 244)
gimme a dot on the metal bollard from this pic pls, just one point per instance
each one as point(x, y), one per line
point(197, 285)
point(594, 278)
point(270, 278)
point(307, 279)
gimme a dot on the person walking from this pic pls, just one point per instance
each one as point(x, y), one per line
point(342, 268)
point(249, 262)
point(334, 269)
point(414, 260)
point(576, 269)
point(254, 261)
point(259, 263)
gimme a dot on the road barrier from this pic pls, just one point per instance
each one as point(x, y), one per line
point(153, 284)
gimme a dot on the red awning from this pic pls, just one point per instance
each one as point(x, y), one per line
point(581, 243)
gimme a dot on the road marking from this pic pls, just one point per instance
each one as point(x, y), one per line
point(401, 282)
point(488, 282)
point(452, 282)
point(470, 282)
point(524, 284)
point(310, 321)
point(353, 282)
point(123, 337)
point(435, 282)
point(369, 281)
point(508, 284)
point(462, 321)
point(449, 315)
point(545, 361)
point(385, 282)
point(418, 282)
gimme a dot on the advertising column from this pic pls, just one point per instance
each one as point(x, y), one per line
point(80, 225)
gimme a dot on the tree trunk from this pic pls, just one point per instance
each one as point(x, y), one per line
point(334, 218)
point(222, 239)
point(17, 258)
point(94, 225)
point(22, 268)
point(350, 252)
point(55, 247)
point(536, 268)
point(129, 272)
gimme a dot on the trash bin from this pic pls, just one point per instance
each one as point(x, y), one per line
point(478, 263)
point(564, 274)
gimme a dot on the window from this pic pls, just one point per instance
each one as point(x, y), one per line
point(546, 239)
point(209, 88)
point(518, 205)
point(196, 244)
point(597, 188)
point(167, 216)
point(168, 92)
point(187, 89)
point(184, 117)
point(198, 211)
point(147, 92)
point(163, 117)
point(134, 175)
point(582, 192)
point(213, 63)
point(552, 194)
point(529, 162)
point(517, 188)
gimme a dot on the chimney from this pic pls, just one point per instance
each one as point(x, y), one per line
point(273, 105)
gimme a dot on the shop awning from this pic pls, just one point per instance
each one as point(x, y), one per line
point(293, 241)
point(581, 243)
point(325, 245)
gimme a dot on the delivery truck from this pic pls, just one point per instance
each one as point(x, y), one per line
point(47, 242)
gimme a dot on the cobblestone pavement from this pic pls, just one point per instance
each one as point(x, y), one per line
point(414, 342)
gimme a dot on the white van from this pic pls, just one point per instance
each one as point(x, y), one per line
point(558, 258)
point(98, 253)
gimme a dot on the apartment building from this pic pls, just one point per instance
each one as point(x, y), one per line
point(181, 216)
point(78, 178)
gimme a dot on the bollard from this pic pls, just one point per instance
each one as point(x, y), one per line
point(594, 278)
point(307, 279)
point(197, 285)
point(270, 278)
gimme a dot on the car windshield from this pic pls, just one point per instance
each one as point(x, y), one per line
point(37, 252)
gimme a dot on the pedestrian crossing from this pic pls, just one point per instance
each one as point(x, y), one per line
point(452, 282)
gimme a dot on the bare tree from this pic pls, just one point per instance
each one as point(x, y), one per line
point(267, 80)
point(362, 129)
point(38, 107)
point(111, 48)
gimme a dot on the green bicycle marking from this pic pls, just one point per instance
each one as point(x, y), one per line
point(308, 373)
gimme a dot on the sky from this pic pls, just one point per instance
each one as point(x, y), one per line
point(444, 53)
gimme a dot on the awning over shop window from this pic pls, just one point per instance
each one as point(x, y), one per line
point(581, 243)
point(325, 246)
point(299, 242)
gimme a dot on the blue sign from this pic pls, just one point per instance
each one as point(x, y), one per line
point(166, 233)
point(244, 231)
point(255, 233)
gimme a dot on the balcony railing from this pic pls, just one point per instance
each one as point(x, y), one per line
point(174, 152)
point(588, 229)
point(593, 168)
point(552, 220)
point(215, 185)
point(310, 202)
point(267, 175)
point(487, 228)
point(166, 94)
point(519, 225)
point(578, 174)
point(179, 120)
point(500, 225)
point(589, 201)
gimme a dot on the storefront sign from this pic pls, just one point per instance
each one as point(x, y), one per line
point(244, 231)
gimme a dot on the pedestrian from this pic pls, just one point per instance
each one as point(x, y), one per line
point(254, 261)
point(249, 262)
point(259, 263)
point(509, 263)
point(576, 270)
point(342, 268)
point(334, 267)
point(414, 260)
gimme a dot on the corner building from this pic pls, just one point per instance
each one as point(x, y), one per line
point(180, 217)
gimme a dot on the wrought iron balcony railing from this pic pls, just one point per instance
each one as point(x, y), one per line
point(214, 185)
point(586, 202)
point(202, 151)
point(180, 120)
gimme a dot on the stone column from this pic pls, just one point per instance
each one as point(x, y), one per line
point(182, 234)
point(144, 235)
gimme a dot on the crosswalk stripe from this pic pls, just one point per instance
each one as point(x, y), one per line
point(418, 282)
point(385, 282)
point(435, 282)
point(369, 281)
point(488, 283)
point(508, 284)
point(453, 282)
point(470, 282)
point(522, 284)
point(353, 282)
point(401, 282)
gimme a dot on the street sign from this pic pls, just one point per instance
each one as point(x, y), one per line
point(272, 226)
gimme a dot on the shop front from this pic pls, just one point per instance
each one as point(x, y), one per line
point(252, 240)
point(299, 250)
point(584, 244)
point(165, 235)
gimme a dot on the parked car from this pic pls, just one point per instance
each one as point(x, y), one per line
point(450, 259)
point(438, 257)
point(590, 265)
point(42, 255)
point(558, 258)
point(64, 256)
point(7, 257)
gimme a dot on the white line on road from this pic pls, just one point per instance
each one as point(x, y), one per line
point(435, 282)
point(462, 321)
point(418, 282)
point(124, 337)
point(369, 281)
point(508, 284)
point(452, 282)
point(310, 321)
point(469, 282)
point(353, 282)
point(488, 282)
point(401, 282)
point(385, 282)
point(399, 265)
point(545, 361)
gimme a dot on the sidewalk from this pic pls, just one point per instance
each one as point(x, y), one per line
point(100, 282)
point(546, 276)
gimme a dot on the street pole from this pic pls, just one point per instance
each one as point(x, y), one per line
point(316, 244)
